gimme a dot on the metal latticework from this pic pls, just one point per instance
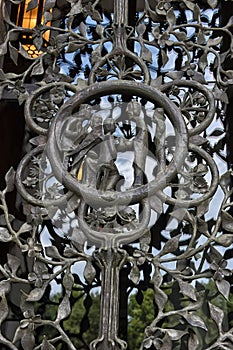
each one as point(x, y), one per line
point(124, 195)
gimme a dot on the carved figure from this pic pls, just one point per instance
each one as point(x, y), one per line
point(159, 119)
point(140, 142)
point(98, 152)
point(73, 131)
point(90, 139)
point(108, 174)
point(89, 169)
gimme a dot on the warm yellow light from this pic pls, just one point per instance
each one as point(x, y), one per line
point(32, 50)
point(46, 35)
point(30, 19)
point(80, 173)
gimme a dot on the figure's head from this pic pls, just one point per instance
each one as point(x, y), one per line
point(133, 109)
point(85, 109)
point(96, 121)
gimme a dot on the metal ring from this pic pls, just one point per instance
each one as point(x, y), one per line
point(33, 97)
point(107, 239)
point(214, 184)
point(195, 85)
point(133, 195)
point(22, 190)
point(127, 53)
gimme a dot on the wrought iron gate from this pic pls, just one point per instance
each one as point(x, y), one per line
point(124, 188)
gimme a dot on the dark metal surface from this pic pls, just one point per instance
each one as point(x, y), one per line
point(125, 169)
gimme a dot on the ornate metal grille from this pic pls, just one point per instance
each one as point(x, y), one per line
point(125, 187)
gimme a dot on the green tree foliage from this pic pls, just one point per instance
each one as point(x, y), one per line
point(140, 316)
point(84, 318)
point(83, 323)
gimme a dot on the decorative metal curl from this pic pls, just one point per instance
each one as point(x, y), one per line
point(211, 189)
point(23, 165)
point(200, 88)
point(107, 240)
point(34, 98)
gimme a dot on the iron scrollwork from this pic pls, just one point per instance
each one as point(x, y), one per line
point(121, 172)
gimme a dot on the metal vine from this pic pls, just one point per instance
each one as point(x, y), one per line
point(126, 170)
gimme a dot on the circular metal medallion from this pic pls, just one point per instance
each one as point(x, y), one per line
point(97, 148)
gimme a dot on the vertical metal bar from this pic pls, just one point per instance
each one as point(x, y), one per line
point(121, 12)
point(131, 22)
point(110, 262)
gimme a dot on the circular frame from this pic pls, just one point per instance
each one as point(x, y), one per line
point(133, 195)
point(195, 85)
point(214, 183)
point(25, 194)
point(33, 97)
